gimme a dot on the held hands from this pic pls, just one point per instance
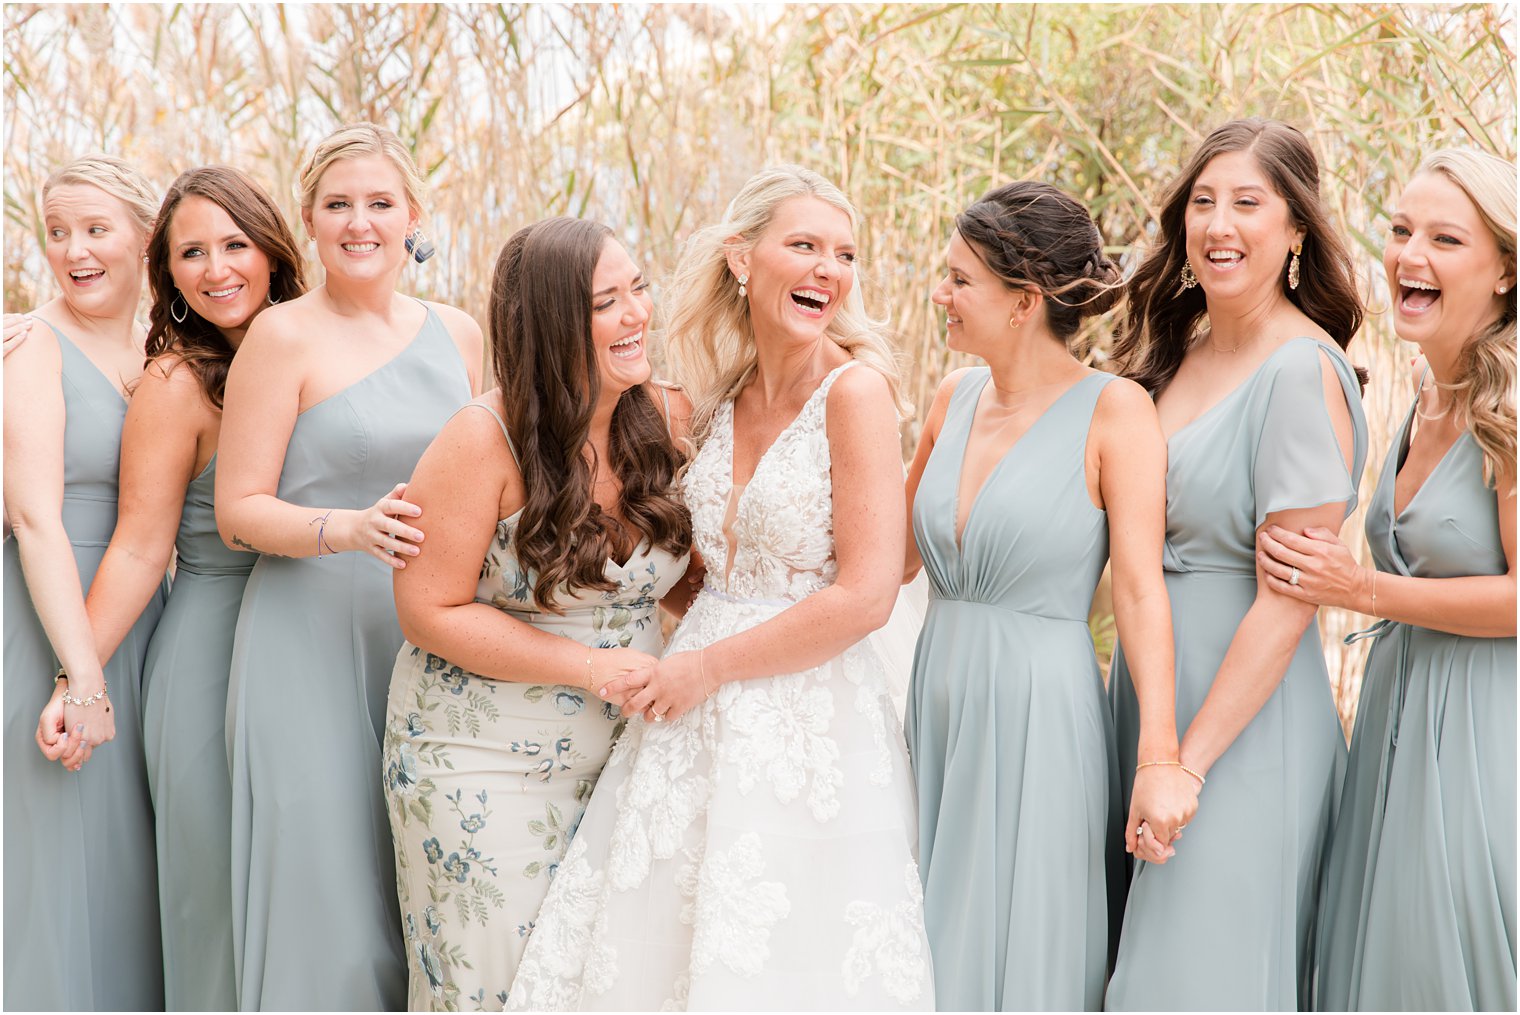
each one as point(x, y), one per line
point(1327, 574)
point(377, 530)
point(609, 669)
point(664, 691)
point(1164, 800)
point(69, 734)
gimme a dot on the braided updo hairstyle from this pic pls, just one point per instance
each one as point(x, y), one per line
point(1035, 237)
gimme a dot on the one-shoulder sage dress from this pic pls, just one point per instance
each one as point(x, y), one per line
point(315, 918)
point(184, 733)
point(1228, 923)
point(81, 891)
point(1419, 912)
point(1008, 723)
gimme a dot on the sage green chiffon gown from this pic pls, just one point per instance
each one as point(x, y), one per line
point(184, 733)
point(81, 891)
point(1419, 911)
point(1228, 923)
point(316, 923)
point(1008, 725)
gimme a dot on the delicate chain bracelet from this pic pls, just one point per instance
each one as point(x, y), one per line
point(69, 699)
point(1374, 591)
point(321, 523)
point(1173, 764)
point(702, 672)
point(590, 673)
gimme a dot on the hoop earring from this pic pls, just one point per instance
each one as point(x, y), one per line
point(179, 298)
point(743, 282)
point(1298, 248)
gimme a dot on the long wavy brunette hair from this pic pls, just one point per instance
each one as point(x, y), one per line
point(1162, 321)
point(545, 363)
point(198, 343)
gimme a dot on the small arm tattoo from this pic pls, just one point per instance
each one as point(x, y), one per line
point(241, 543)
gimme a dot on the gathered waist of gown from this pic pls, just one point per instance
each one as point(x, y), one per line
point(89, 520)
point(1212, 573)
point(214, 570)
point(941, 600)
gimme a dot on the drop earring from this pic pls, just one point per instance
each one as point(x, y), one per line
point(1298, 248)
point(270, 296)
point(419, 246)
point(743, 283)
point(179, 299)
point(1187, 278)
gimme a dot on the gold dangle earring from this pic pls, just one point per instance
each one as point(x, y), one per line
point(1188, 278)
point(1298, 248)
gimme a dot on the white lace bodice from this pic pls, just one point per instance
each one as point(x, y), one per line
point(783, 523)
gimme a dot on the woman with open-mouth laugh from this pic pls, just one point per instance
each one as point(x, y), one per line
point(330, 402)
point(554, 534)
point(81, 896)
point(219, 254)
point(1236, 323)
point(750, 842)
point(1420, 896)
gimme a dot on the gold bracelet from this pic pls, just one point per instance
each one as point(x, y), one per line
point(702, 672)
point(1374, 590)
point(590, 673)
point(1173, 764)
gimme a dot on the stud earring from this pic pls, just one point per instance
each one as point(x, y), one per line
point(179, 298)
point(1298, 248)
point(743, 282)
point(1502, 290)
point(1187, 278)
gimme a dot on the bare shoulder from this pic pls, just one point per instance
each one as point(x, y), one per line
point(859, 389)
point(680, 402)
point(169, 380)
point(35, 359)
point(284, 330)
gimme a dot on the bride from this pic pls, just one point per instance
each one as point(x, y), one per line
point(749, 844)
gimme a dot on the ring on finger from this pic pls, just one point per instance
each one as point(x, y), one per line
point(659, 717)
point(1293, 577)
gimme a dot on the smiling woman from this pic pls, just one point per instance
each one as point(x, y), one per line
point(329, 404)
point(87, 938)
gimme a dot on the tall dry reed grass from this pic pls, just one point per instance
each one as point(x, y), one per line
point(649, 117)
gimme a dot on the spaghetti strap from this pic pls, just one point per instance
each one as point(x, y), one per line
point(511, 448)
point(665, 402)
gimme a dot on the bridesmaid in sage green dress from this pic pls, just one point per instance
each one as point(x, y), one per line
point(1264, 424)
point(1024, 473)
point(81, 898)
point(330, 402)
point(1420, 904)
point(495, 735)
point(216, 233)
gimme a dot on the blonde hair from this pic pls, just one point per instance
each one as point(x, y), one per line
point(1485, 389)
point(711, 340)
point(115, 177)
point(354, 141)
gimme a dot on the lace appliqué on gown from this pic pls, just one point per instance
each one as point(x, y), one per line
point(757, 852)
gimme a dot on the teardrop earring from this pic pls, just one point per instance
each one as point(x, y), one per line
point(1298, 248)
point(179, 300)
point(743, 282)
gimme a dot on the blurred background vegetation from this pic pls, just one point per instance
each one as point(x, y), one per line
point(649, 118)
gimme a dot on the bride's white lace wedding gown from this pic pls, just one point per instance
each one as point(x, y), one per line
point(758, 852)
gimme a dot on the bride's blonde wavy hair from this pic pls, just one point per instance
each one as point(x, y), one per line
point(1484, 392)
point(710, 340)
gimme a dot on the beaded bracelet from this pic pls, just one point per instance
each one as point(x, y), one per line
point(1176, 764)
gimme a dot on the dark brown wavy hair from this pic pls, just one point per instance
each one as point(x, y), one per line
point(545, 363)
point(1033, 236)
point(1162, 320)
point(197, 342)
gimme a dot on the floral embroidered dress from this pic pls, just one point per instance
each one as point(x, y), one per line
point(485, 780)
point(758, 852)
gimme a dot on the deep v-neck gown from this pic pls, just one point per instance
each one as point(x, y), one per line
point(757, 852)
point(81, 890)
point(487, 779)
point(1008, 724)
point(315, 920)
point(1228, 923)
point(1420, 896)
